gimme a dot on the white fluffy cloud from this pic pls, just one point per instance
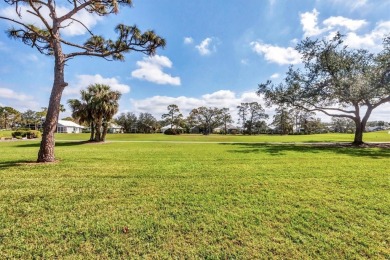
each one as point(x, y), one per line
point(309, 22)
point(83, 81)
point(206, 47)
point(188, 40)
point(371, 40)
point(276, 54)
point(157, 105)
point(327, 28)
point(71, 29)
point(310, 25)
point(151, 69)
point(10, 94)
point(275, 76)
point(350, 27)
point(20, 101)
point(350, 24)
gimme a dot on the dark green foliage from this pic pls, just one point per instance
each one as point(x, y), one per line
point(171, 132)
point(30, 134)
point(335, 80)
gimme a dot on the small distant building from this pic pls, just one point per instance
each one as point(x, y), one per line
point(114, 129)
point(178, 128)
point(195, 130)
point(231, 129)
point(65, 126)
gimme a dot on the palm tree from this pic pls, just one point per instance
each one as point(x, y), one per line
point(98, 106)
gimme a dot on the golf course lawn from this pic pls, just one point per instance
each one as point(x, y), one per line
point(196, 200)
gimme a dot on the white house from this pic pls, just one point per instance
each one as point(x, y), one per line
point(65, 126)
point(164, 128)
point(114, 128)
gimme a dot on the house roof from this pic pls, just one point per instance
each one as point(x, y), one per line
point(69, 123)
point(112, 125)
point(173, 127)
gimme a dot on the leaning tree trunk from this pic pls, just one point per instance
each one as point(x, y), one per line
point(46, 151)
point(361, 126)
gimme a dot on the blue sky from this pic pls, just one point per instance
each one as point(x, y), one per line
point(216, 54)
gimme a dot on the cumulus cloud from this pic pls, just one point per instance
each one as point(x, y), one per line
point(310, 27)
point(350, 24)
point(327, 28)
point(20, 101)
point(157, 105)
point(276, 54)
point(349, 27)
point(188, 40)
point(206, 47)
point(151, 69)
point(309, 22)
point(10, 94)
point(371, 40)
point(83, 81)
point(275, 76)
point(71, 29)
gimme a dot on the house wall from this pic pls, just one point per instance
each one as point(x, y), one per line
point(68, 129)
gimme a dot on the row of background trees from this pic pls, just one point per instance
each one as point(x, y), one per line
point(99, 104)
point(11, 118)
point(251, 118)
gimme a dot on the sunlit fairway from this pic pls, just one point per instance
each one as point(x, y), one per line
point(381, 136)
point(196, 200)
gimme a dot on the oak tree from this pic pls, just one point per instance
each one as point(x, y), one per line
point(335, 80)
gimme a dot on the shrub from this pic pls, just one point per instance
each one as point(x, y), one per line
point(30, 134)
point(233, 132)
point(171, 132)
point(33, 134)
point(19, 134)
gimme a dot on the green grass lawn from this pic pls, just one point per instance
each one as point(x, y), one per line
point(185, 200)
point(381, 136)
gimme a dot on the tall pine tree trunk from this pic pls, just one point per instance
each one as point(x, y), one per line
point(46, 151)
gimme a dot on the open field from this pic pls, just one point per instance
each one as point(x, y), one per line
point(195, 200)
point(381, 136)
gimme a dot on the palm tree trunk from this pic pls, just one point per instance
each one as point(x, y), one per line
point(92, 137)
point(105, 129)
point(98, 135)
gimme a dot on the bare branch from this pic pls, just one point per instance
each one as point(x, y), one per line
point(105, 54)
point(39, 15)
point(74, 10)
point(90, 32)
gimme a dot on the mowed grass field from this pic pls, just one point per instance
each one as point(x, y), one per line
point(381, 136)
point(195, 200)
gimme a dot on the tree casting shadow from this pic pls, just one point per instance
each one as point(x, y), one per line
point(58, 144)
point(375, 152)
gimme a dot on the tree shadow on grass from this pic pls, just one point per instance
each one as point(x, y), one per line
point(372, 151)
point(58, 144)
point(9, 164)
